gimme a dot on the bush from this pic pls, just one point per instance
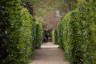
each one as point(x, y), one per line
point(66, 38)
point(60, 34)
point(87, 15)
point(3, 33)
point(56, 37)
point(33, 35)
point(17, 37)
point(53, 36)
point(39, 35)
point(79, 41)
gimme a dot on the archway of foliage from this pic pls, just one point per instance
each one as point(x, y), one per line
point(79, 33)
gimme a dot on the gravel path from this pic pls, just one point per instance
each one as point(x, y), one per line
point(49, 55)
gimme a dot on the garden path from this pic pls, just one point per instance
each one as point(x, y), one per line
point(49, 53)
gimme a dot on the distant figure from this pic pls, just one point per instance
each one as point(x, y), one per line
point(47, 37)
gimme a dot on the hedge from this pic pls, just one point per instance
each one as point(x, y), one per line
point(55, 36)
point(65, 43)
point(19, 35)
point(39, 35)
point(16, 33)
point(33, 35)
point(3, 33)
point(79, 41)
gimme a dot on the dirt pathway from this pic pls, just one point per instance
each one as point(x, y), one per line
point(49, 55)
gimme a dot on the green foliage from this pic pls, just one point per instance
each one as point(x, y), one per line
point(87, 13)
point(37, 35)
point(56, 36)
point(60, 34)
point(18, 33)
point(3, 33)
point(53, 36)
point(33, 35)
point(79, 33)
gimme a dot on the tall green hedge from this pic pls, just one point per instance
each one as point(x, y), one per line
point(37, 34)
point(60, 34)
point(33, 35)
point(55, 37)
point(76, 39)
point(79, 31)
point(3, 33)
point(17, 35)
point(66, 38)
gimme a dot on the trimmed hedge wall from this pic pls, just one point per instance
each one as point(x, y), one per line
point(79, 33)
point(39, 35)
point(16, 33)
point(55, 37)
point(3, 33)
point(34, 34)
point(56, 34)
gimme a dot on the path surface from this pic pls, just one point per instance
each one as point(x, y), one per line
point(49, 54)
